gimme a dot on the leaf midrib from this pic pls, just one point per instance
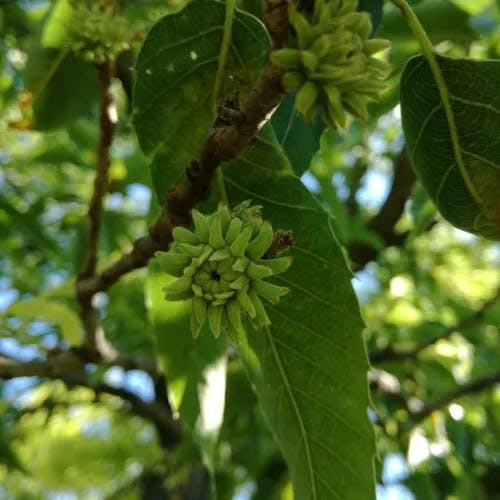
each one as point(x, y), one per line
point(297, 412)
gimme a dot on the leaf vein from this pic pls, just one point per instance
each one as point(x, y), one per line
point(333, 414)
point(475, 104)
point(481, 158)
point(323, 338)
point(311, 294)
point(270, 200)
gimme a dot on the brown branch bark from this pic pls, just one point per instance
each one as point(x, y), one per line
point(394, 354)
point(62, 363)
point(73, 360)
point(384, 221)
point(107, 122)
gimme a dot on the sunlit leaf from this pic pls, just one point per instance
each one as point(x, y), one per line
point(310, 368)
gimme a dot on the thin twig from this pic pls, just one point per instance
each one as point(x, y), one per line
point(73, 360)
point(395, 354)
point(61, 363)
point(471, 387)
point(68, 367)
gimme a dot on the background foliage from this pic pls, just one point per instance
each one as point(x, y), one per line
point(428, 292)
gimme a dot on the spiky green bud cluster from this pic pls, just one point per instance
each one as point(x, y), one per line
point(96, 33)
point(330, 61)
point(220, 267)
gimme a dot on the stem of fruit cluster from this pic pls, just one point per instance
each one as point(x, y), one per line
point(222, 187)
point(224, 50)
point(219, 77)
point(418, 30)
point(430, 55)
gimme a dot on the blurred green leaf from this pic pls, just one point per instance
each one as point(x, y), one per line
point(54, 78)
point(55, 29)
point(51, 311)
point(442, 20)
point(28, 223)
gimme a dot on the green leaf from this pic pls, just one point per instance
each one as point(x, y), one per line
point(298, 139)
point(176, 70)
point(456, 160)
point(51, 311)
point(310, 369)
point(54, 78)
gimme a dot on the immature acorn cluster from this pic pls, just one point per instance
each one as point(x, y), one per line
point(96, 32)
point(330, 64)
point(220, 266)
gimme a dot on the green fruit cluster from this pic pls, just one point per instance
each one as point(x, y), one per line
point(330, 61)
point(220, 267)
point(96, 33)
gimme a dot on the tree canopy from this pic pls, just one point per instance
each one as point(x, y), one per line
point(324, 324)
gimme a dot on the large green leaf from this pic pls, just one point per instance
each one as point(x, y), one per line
point(456, 156)
point(310, 369)
point(176, 70)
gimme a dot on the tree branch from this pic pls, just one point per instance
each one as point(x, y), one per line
point(225, 140)
point(62, 363)
point(70, 361)
point(383, 223)
point(469, 388)
point(393, 354)
point(68, 367)
point(107, 120)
